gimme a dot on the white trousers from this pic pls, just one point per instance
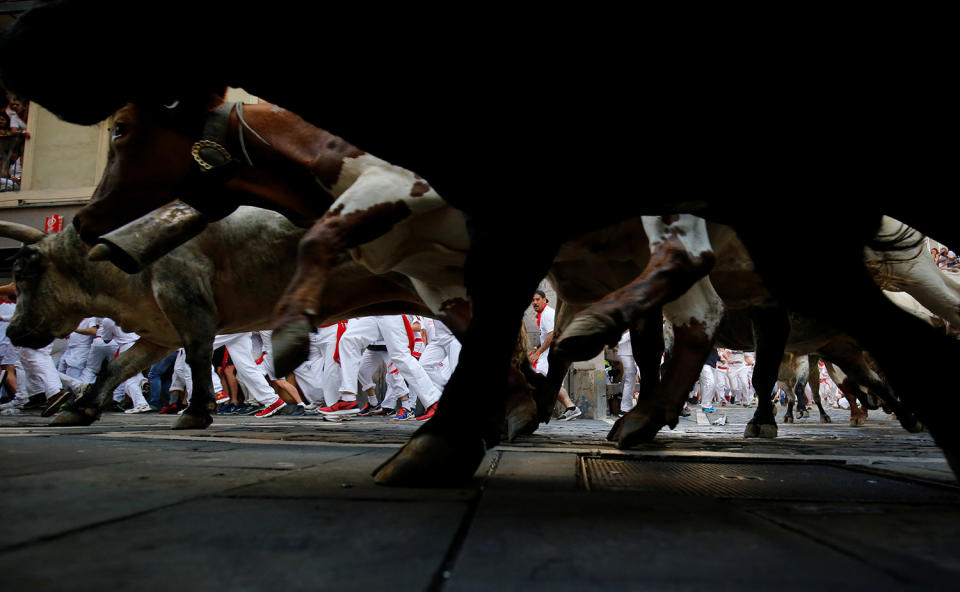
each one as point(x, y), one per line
point(739, 377)
point(133, 386)
point(74, 361)
point(443, 346)
point(42, 375)
point(183, 377)
point(396, 387)
point(708, 387)
point(630, 372)
point(98, 354)
point(364, 331)
point(240, 347)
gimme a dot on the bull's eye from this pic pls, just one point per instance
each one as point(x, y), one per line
point(119, 130)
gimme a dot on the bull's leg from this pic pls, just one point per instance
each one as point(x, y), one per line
point(87, 408)
point(449, 447)
point(319, 250)
point(680, 254)
point(198, 414)
point(696, 317)
point(771, 327)
point(858, 415)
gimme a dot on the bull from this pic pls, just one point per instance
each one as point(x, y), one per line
point(222, 281)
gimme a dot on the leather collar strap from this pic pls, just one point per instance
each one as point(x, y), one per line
point(210, 152)
point(202, 188)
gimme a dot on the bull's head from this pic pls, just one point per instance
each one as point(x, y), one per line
point(37, 319)
point(150, 163)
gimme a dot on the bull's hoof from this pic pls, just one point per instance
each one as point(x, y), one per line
point(760, 430)
point(291, 346)
point(75, 417)
point(638, 427)
point(856, 422)
point(521, 419)
point(187, 421)
point(586, 337)
point(912, 424)
point(432, 460)
point(824, 418)
point(787, 419)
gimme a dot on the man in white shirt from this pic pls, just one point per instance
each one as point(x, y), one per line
point(538, 357)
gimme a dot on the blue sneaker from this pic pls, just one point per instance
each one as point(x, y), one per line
point(708, 410)
point(368, 409)
point(404, 415)
point(227, 408)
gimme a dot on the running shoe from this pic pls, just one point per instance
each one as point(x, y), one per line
point(138, 409)
point(708, 410)
point(54, 403)
point(385, 411)
point(297, 411)
point(341, 408)
point(222, 398)
point(250, 409)
point(271, 409)
point(429, 413)
point(404, 415)
point(569, 414)
point(225, 409)
point(368, 409)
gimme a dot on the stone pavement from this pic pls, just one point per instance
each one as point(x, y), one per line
point(288, 504)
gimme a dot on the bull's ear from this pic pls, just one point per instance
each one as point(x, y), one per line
point(21, 232)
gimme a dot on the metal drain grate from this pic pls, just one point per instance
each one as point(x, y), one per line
point(773, 481)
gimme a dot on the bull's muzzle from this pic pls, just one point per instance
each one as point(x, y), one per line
point(141, 242)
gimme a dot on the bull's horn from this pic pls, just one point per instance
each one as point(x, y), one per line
point(172, 105)
point(20, 232)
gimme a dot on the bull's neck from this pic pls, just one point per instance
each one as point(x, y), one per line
point(332, 163)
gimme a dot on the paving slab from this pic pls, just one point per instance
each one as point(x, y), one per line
point(246, 544)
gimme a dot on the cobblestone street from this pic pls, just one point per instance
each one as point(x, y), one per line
point(288, 503)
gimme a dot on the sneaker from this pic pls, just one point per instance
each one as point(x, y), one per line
point(429, 413)
point(297, 411)
point(684, 412)
point(404, 415)
point(341, 408)
point(708, 410)
point(271, 409)
point(225, 409)
point(14, 404)
point(312, 406)
point(569, 414)
point(173, 408)
point(368, 409)
point(138, 409)
point(384, 411)
point(54, 403)
point(249, 409)
point(222, 398)
point(35, 402)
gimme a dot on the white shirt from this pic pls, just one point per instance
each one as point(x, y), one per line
point(78, 340)
point(112, 332)
point(546, 326)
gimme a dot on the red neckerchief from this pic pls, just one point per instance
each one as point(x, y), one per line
point(341, 329)
point(538, 315)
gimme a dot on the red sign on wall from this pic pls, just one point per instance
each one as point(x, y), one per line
point(53, 223)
